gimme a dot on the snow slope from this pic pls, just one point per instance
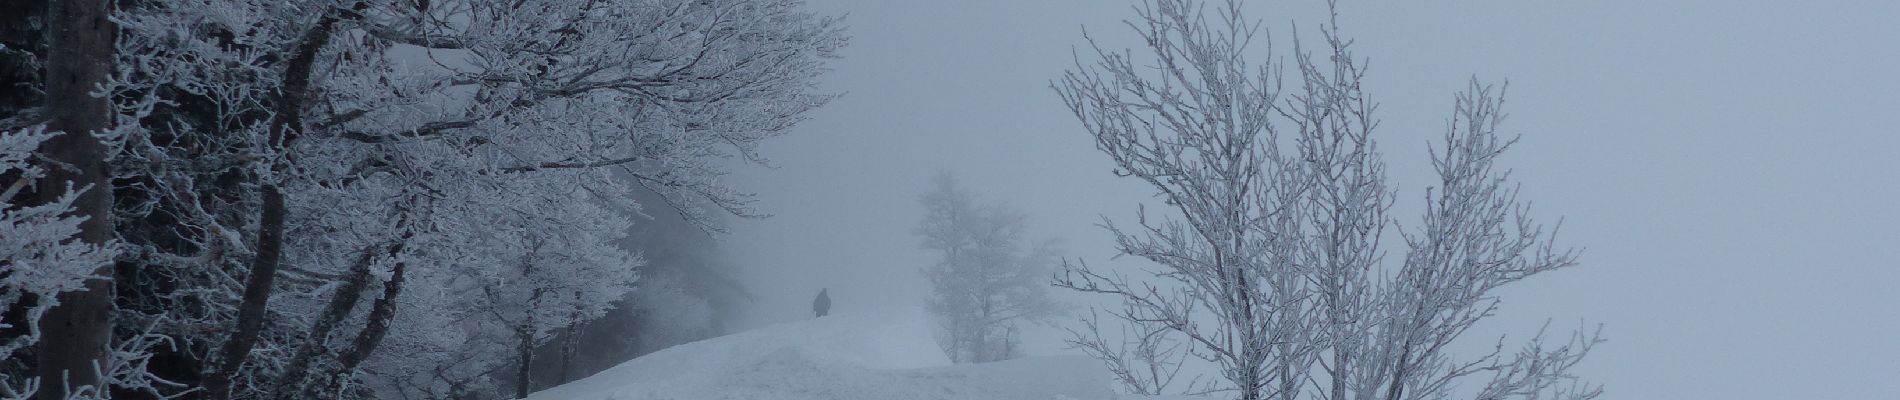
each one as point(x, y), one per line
point(842, 357)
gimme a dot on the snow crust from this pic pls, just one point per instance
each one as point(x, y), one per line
point(872, 356)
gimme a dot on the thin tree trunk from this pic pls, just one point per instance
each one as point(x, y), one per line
point(317, 341)
point(257, 288)
point(571, 348)
point(1342, 363)
point(270, 237)
point(524, 382)
point(381, 314)
point(1397, 390)
point(380, 317)
point(1289, 379)
point(80, 49)
point(1252, 379)
point(982, 350)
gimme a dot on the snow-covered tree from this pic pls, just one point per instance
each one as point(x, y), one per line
point(488, 270)
point(685, 293)
point(1269, 261)
point(41, 257)
point(307, 161)
point(74, 334)
point(989, 278)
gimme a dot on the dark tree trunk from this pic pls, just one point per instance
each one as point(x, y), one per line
point(524, 381)
point(317, 341)
point(79, 56)
point(257, 290)
point(570, 347)
point(270, 236)
point(381, 314)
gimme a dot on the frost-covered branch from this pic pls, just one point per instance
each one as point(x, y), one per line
point(1269, 261)
point(41, 255)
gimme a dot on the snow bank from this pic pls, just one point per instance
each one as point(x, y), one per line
point(841, 357)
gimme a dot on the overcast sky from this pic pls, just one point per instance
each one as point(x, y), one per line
point(1731, 167)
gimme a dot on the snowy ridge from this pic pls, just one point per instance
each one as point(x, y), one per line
point(842, 357)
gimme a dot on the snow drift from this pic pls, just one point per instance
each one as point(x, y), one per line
point(842, 357)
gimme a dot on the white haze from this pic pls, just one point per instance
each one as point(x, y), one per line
point(1730, 167)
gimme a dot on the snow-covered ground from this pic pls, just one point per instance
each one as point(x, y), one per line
point(872, 356)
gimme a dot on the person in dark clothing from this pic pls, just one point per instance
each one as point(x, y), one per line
point(821, 305)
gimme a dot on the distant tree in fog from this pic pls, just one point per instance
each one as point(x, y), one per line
point(1269, 265)
point(989, 277)
point(821, 305)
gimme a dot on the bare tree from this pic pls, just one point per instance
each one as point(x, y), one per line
point(1270, 261)
point(989, 277)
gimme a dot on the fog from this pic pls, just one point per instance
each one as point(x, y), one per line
point(973, 200)
point(1728, 167)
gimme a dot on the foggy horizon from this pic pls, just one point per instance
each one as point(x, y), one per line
point(1723, 165)
point(977, 199)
